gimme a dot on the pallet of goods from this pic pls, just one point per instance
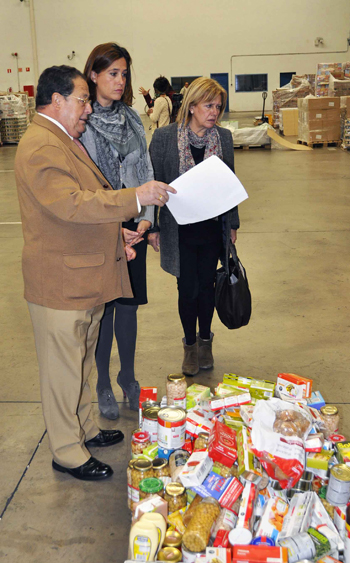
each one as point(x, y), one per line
point(287, 97)
point(345, 122)
point(324, 72)
point(319, 121)
point(253, 472)
point(14, 116)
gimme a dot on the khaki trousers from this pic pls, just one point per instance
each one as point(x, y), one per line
point(65, 343)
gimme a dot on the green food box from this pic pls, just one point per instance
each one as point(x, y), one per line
point(245, 457)
point(319, 460)
point(258, 388)
point(196, 393)
point(342, 450)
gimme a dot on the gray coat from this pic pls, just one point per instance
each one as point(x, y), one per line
point(165, 159)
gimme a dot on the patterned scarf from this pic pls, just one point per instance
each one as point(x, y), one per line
point(186, 137)
point(118, 126)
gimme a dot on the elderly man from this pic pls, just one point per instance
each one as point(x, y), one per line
point(73, 262)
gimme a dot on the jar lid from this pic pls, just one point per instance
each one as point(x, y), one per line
point(159, 463)
point(131, 463)
point(329, 410)
point(175, 489)
point(142, 465)
point(240, 536)
point(172, 538)
point(203, 435)
point(151, 412)
point(176, 377)
point(151, 485)
point(341, 472)
point(140, 437)
point(169, 554)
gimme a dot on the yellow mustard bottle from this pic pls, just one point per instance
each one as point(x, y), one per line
point(159, 521)
point(143, 541)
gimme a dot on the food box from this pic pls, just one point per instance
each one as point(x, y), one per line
point(218, 554)
point(246, 509)
point(259, 554)
point(196, 393)
point(146, 394)
point(259, 389)
point(294, 385)
point(245, 456)
point(342, 451)
point(222, 444)
point(197, 422)
point(155, 503)
point(231, 493)
point(271, 522)
point(309, 104)
point(316, 401)
point(289, 121)
point(319, 460)
point(225, 491)
point(298, 518)
point(233, 399)
point(196, 469)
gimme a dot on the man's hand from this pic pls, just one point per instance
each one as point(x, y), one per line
point(143, 226)
point(131, 237)
point(149, 111)
point(154, 193)
point(130, 253)
point(153, 240)
point(233, 236)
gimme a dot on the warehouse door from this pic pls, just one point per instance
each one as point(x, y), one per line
point(222, 79)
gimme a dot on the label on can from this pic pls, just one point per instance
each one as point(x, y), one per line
point(339, 520)
point(299, 547)
point(171, 428)
point(191, 556)
point(151, 426)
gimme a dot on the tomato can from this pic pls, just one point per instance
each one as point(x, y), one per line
point(171, 428)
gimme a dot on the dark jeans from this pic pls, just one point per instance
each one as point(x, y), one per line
point(198, 263)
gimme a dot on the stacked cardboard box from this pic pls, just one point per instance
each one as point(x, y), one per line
point(319, 120)
point(345, 121)
point(31, 108)
point(15, 116)
point(339, 86)
point(289, 121)
point(287, 97)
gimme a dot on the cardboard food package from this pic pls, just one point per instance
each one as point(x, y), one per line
point(222, 444)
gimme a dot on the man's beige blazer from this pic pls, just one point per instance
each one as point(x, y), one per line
point(73, 255)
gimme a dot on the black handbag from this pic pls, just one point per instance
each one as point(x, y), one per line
point(233, 300)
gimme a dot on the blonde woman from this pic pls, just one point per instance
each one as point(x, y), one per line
point(191, 252)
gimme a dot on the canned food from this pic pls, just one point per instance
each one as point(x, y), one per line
point(338, 490)
point(139, 442)
point(142, 469)
point(151, 486)
point(144, 405)
point(171, 427)
point(197, 533)
point(299, 547)
point(176, 388)
point(263, 540)
point(150, 421)
point(164, 453)
point(129, 480)
point(176, 497)
point(330, 417)
point(173, 538)
point(189, 556)
point(171, 554)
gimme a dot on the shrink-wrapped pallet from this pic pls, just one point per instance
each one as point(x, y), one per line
point(319, 120)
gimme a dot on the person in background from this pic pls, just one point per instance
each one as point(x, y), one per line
point(73, 262)
point(160, 114)
point(191, 252)
point(115, 140)
point(149, 101)
point(184, 89)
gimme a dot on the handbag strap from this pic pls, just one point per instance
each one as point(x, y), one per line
point(230, 249)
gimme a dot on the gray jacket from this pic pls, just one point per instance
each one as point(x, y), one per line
point(128, 174)
point(165, 159)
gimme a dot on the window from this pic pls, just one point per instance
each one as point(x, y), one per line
point(178, 82)
point(285, 78)
point(251, 82)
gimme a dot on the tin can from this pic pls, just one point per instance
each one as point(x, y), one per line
point(164, 453)
point(144, 405)
point(171, 554)
point(263, 540)
point(339, 520)
point(191, 556)
point(299, 547)
point(171, 428)
point(338, 491)
point(150, 421)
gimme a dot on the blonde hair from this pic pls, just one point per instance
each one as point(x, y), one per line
point(201, 90)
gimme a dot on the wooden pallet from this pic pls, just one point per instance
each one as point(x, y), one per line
point(249, 147)
point(320, 144)
point(345, 147)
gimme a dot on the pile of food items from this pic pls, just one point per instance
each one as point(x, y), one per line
point(252, 473)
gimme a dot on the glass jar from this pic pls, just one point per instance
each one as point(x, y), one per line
point(151, 486)
point(201, 443)
point(139, 441)
point(161, 470)
point(330, 417)
point(173, 538)
point(175, 495)
point(197, 533)
point(142, 469)
point(171, 554)
point(176, 388)
point(129, 480)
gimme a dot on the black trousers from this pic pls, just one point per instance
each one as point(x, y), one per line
point(198, 264)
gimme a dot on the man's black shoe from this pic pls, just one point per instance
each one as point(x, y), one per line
point(92, 470)
point(105, 438)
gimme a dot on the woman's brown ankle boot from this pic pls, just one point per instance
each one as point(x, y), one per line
point(190, 364)
point(205, 355)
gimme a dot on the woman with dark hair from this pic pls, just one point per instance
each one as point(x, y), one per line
point(191, 252)
point(162, 109)
point(115, 140)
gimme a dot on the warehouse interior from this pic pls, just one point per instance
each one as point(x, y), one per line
point(294, 242)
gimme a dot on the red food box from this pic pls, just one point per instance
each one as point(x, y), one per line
point(146, 394)
point(231, 494)
point(259, 554)
point(222, 444)
point(221, 539)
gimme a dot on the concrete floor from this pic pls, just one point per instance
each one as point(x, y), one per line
point(295, 244)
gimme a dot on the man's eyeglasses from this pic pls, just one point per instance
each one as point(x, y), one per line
point(82, 101)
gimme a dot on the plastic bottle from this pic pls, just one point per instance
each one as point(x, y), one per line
point(143, 541)
point(158, 520)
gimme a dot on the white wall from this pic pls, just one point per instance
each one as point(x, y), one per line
point(186, 37)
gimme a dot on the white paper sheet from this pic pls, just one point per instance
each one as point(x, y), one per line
point(206, 191)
